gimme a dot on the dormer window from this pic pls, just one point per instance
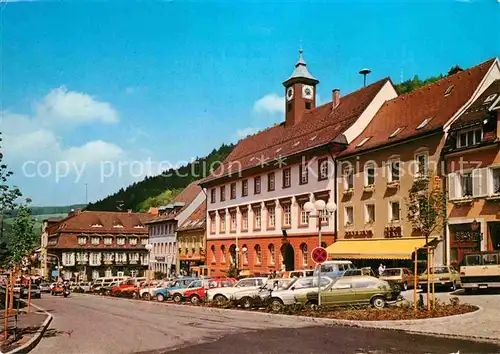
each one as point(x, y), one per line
point(396, 132)
point(490, 98)
point(118, 226)
point(96, 225)
point(139, 227)
point(469, 137)
point(424, 123)
point(362, 142)
point(448, 90)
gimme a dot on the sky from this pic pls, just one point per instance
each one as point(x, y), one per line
point(96, 95)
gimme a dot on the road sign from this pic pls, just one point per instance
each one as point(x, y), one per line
point(319, 255)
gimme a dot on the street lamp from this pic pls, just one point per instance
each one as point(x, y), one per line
point(322, 208)
point(149, 248)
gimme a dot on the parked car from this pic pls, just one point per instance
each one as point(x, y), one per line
point(195, 295)
point(222, 294)
point(444, 277)
point(83, 287)
point(402, 277)
point(359, 272)
point(249, 298)
point(127, 285)
point(178, 294)
point(35, 291)
point(357, 290)
point(57, 289)
point(286, 297)
point(44, 287)
point(149, 291)
point(335, 269)
point(180, 283)
point(301, 273)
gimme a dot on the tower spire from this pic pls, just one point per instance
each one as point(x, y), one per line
point(301, 73)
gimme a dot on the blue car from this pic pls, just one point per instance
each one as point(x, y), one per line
point(181, 283)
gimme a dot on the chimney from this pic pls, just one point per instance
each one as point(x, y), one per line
point(71, 212)
point(335, 98)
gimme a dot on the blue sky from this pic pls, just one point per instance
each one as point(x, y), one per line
point(87, 82)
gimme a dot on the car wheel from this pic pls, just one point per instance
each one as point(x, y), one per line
point(107, 292)
point(405, 286)
point(146, 296)
point(378, 302)
point(177, 298)
point(276, 305)
point(220, 299)
point(246, 302)
point(160, 298)
point(311, 306)
point(195, 299)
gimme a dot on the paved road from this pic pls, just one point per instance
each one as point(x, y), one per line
point(91, 324)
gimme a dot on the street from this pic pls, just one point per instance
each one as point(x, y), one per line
point(93, 324)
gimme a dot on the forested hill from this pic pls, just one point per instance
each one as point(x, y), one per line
point(158, 190)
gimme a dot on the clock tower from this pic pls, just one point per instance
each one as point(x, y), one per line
point(300, 92)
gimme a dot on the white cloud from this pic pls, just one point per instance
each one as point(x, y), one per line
point(243, 133)
point(93, 152)
point(61, 106)
point(270, 103)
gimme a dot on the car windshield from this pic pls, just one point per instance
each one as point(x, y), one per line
point(195, 284)
point(391, 272)
point(439, 270)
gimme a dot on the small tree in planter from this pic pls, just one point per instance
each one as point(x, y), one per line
point(426, 212)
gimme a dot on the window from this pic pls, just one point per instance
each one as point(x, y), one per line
point(287, 177)
point(271, 217)
point(144, 241)
point(95, 241)
point(495, 173)
point(244, 219)
point(272, 255)
point(349, 178)
point(362, 142)
point(258, 254)
point(370, 175)
point(304, 173)
point(308, 105)
point(349, 216)
point(466, 184)
point(232, 215)
point(469, 137)
point(244, 254)
point(108, 240)
point(304, 216)
point(82, 240)
point(394, 171)
point(95, 258)
point(244, 188)
point(448, 90)
point(303, 250)
point(256, 185)
point(212, 195)
point(424, 123)
point(422, 165)
point(394, 212)
point(212, 252)
point(287, 215)
point(223, 254)
point(257, 218)
point(322, 169)
point(222, 220)
point(212, 223)
point(222, 193)
point(271, 181)
point(396, 132)
point(370, 213)
point(120, 241)
point(233, 191)
point(132, 241)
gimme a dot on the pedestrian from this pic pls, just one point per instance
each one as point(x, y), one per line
point(381, 269)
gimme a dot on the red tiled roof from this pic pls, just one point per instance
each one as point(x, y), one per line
point(187, 196)
point(408, 111)
point(133, 223)
point(70, 240)
point(197, 220)
point(478, 110)
point(318, 127)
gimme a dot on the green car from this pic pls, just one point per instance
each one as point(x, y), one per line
point(444, 277)
point(352, 291)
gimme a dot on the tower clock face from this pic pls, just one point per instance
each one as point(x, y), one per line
point(307, 91)
point(289, 93)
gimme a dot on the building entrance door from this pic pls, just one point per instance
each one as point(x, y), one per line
point(494, 232)
point(288, 256)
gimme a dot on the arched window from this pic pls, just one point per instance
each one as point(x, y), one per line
point(223, 254)
point(258, 254)
point(303, 250)
point(272, 254)
point(244, 254)
point(232, 254)
point(214, 258)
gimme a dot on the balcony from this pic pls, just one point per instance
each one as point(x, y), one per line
point(348, 191)
point(494, 197)
point(369, 188)
point(467, 200)
point(393, 185)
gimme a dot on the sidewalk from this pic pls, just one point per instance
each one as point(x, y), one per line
point(29, 326)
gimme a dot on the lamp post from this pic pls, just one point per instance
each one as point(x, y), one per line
point(149, 248)
point(321, 208)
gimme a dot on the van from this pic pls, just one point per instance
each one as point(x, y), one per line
point(301, 273)
point(105, 281)
point(335, 269)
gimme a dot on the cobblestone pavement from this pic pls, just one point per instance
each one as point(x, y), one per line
point(27, 324)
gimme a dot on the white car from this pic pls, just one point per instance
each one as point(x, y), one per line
point(286, 297)
point(222, 295)
point(147, 292)
point(249, 298)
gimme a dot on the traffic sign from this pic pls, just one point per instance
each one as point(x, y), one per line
point(319, 255)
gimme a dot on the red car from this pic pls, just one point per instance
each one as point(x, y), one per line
point(196, 295)
point(127, 287)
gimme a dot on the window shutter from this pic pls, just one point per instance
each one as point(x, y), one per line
point(483, 182)
point(452, 186)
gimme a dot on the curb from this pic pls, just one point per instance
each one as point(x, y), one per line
point(385, 325)
point(27, 347)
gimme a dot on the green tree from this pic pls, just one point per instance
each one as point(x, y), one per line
point(24, 237)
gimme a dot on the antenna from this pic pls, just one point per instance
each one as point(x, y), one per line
point(364, 72)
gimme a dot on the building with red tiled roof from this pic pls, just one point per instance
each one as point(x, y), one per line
point(163, 228)
point(401, 145)
point(255, 200)
point(94, 244)
point(472, 156)
point(191, 241)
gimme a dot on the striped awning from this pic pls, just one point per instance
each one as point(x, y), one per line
point(402, 248)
